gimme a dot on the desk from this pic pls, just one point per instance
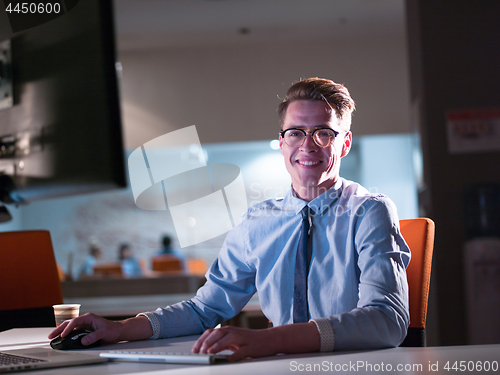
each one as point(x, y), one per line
point(416, 360)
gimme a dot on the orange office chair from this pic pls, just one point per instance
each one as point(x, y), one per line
point(60, 272)
point(29, 280)
point(166, 263)
point(197, 266)
point(112, 269)
point(419, 235)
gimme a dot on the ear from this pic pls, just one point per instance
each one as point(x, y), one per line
point(346, 146)
point(281, 144)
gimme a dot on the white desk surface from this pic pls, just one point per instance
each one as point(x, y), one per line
point(430, 360)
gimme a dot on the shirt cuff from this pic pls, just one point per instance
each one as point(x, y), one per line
point(326, 335)
point(155, 323)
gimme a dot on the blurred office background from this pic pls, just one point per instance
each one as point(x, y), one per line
point(223, 66)
point(111, 218)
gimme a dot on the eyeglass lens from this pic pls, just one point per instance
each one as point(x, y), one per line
point(296, 137)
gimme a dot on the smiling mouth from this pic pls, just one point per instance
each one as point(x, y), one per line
point(308, 162)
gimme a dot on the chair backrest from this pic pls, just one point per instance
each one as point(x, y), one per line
point(112, 269)
point(29, 278)
point(197, 266)
point(166, 263)
point(419, 235)
point(60, 271)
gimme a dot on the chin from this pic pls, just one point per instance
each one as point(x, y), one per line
point(326, 183)
point(315, 181)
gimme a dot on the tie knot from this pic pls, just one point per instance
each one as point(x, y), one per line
point(307, 212)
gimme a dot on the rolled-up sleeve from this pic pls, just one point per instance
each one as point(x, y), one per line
point(381, 317)
point(230, 285)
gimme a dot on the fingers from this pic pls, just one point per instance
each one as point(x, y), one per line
point(56, 332)
point(211, 343)
point(228, 341)
point(197, 345)
point(84, 322)
point(91, 338)
point(226, 338)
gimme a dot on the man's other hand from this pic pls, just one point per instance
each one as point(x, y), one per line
point(254, 343)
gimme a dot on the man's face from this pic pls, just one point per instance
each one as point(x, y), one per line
point(313, 169)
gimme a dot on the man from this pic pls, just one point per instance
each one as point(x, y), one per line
point(328, 258)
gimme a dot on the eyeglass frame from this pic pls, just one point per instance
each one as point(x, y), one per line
point(282, 135)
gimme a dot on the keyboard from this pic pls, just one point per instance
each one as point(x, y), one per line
point(9, 359)
point(163, 357)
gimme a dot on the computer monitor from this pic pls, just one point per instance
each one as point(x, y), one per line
point(62, 135)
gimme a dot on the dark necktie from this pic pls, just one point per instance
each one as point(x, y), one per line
point(302, 260)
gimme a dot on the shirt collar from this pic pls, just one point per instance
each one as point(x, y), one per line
point(319, 204)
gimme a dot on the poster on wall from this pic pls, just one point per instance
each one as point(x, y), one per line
point(473, 130)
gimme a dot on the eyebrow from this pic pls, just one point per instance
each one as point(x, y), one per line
point(302, 127)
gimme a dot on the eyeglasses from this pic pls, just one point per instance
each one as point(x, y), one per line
point(295, 137)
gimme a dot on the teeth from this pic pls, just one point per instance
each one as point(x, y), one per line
point(309, 162)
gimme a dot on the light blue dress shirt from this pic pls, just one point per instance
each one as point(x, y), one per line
point(357, 278)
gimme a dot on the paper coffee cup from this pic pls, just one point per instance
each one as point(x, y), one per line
point(65, 312)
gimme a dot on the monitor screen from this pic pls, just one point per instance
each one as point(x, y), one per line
point(62, 134)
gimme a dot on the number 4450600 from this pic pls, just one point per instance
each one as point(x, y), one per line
point(471, 366)
point(33, 8)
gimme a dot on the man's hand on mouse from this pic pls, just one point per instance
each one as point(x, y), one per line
point(109, 332)
point(103, 329)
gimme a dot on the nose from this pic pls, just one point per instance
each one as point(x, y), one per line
point(309, 144)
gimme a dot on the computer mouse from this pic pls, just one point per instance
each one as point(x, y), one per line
point(73, 341)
